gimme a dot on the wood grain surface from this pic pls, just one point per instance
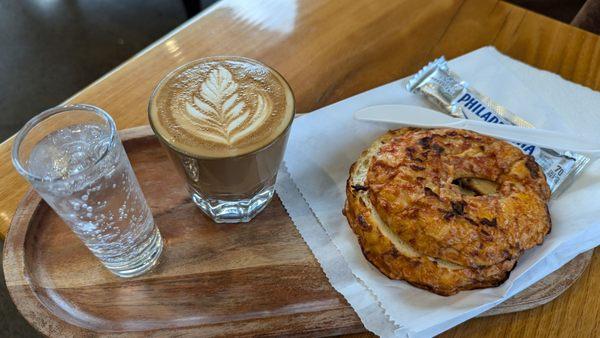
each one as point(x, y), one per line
point(330, 50)
point(212, 279)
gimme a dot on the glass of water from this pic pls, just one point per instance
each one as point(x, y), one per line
point(74, 159)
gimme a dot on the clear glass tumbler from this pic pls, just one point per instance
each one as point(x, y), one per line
point(74, 159)
point(202, 106)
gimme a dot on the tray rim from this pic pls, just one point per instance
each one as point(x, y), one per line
point(15, 267)
point(15, 271)
point(46, 322)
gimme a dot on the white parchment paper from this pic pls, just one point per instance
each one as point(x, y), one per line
point(324, 143)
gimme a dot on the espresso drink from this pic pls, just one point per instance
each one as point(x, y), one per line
point(225, 122)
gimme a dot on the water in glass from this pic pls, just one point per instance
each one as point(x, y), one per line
point(89, 182)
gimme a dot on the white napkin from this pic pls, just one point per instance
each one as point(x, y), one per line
point(324, 143)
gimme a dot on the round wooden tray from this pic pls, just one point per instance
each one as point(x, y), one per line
point(212, 279)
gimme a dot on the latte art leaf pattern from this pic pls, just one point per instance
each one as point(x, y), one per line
point(221, 113)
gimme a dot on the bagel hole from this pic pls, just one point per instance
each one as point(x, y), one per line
point(475, 186)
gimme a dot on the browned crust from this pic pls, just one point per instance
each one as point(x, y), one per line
point(422, 272)
point(419, 269)
point(467, 230)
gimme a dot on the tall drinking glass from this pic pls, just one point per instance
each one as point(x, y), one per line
point(74, 159)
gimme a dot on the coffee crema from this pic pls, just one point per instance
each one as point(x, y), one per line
point(221, 107)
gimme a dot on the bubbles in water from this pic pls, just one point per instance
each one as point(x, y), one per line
point(65, 152)
point(76, 187)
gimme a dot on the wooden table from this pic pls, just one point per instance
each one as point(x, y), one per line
point(330, 50)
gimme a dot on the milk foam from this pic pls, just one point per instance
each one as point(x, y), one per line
point(220, 107)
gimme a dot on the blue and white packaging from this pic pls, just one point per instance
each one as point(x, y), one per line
point(448, 92)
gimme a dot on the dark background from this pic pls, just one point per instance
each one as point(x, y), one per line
point(50, 49)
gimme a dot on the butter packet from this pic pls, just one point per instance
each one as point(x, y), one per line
point(455, 97)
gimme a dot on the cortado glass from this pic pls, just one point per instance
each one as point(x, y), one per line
point(74, 159)
point(225, 123)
